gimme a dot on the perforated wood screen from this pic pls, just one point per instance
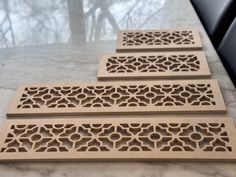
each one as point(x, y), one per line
point(153, 65)
point(118, 97)
point(157, 40)
point(118, 139)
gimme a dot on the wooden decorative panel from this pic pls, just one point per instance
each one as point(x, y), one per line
point(118, 139)
point(118, 97)
point(157, 40)
point(153, 65)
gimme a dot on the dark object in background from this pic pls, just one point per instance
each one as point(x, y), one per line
point(216, 17)
point(227, 51)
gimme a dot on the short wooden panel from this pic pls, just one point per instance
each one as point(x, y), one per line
point(119, 97)
point(158, 40)
point(118, 139)
point(153, 65)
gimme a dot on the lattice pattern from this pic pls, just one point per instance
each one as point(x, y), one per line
point(159, 39)
point(122, 96)
point(174, 63)
point(122, 137)
point(115, 96)
point(116, 138)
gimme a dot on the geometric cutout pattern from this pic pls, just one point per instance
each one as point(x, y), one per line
point(153, 65)
point(170, 39)
point(106, 136)
point(123, 97)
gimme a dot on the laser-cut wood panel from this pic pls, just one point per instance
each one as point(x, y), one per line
point(118, 97)
point(153, 65)
point(118, 139)
point(158, 40)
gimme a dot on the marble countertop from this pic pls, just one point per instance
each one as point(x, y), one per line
point(62, 41)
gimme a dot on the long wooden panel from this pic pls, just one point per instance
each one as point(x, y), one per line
point(118, 139)
point(158, 40)
point(153, 65)
point(118, 97)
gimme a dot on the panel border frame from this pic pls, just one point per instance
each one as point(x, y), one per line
point(104, 75)
point(218, 98)
point(129, 156)
point(148, 48)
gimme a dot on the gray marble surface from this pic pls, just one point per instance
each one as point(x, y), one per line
point(62, 41)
